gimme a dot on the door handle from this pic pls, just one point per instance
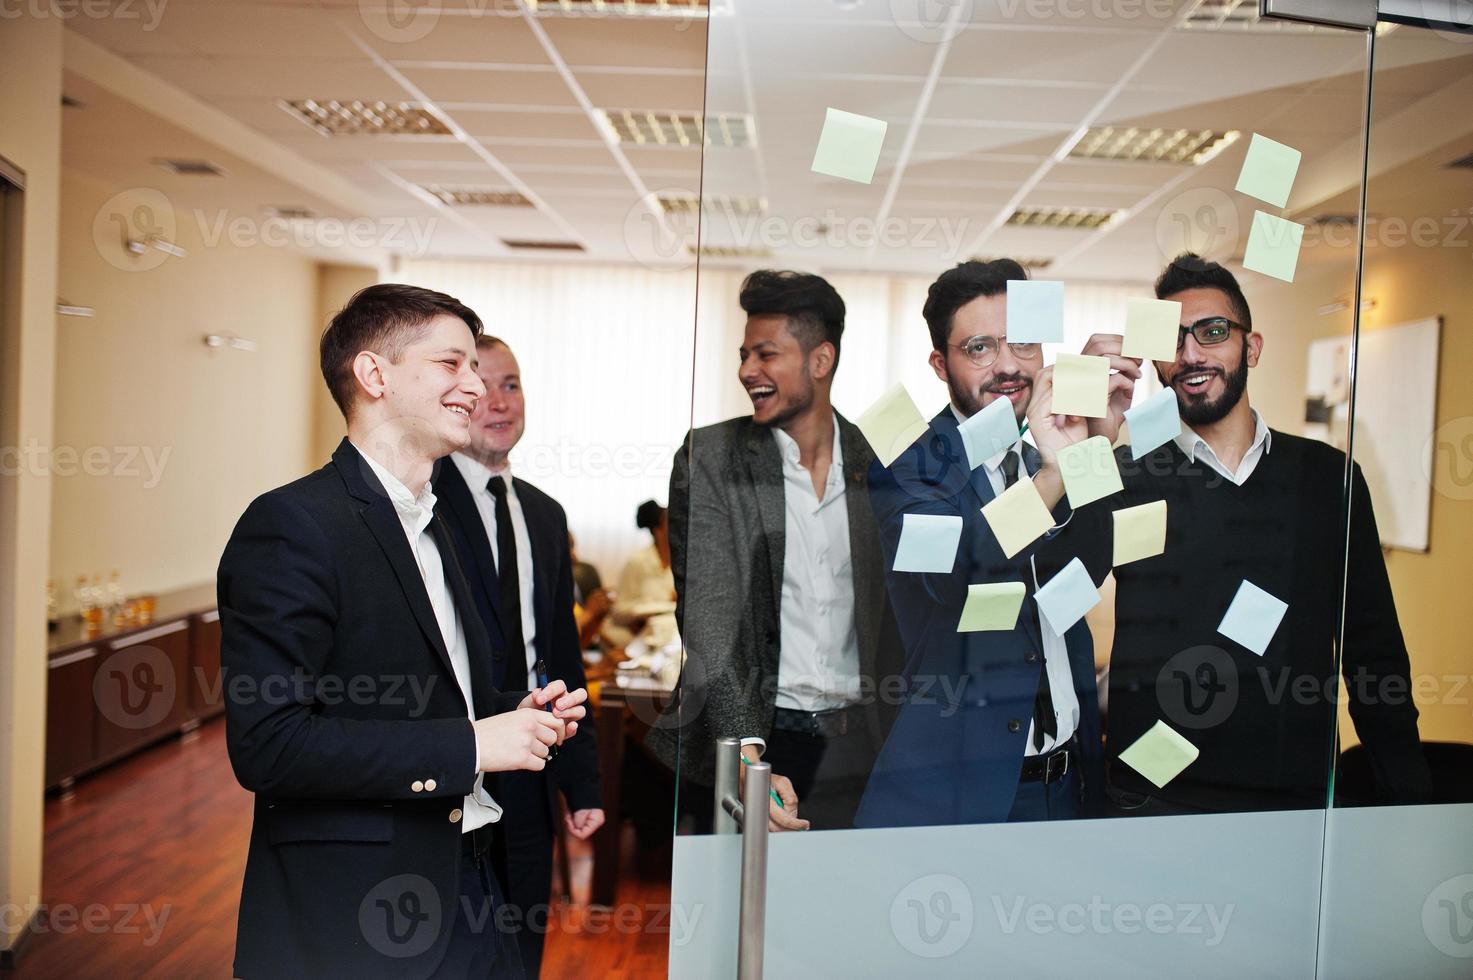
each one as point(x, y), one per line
point(731, 818)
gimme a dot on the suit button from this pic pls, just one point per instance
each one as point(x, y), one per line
point(1014, 725)
point(1031, 657)
point(417, 786)
point(455, 815)
point(430, 785)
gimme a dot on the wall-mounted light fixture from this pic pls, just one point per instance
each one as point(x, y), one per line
point(230, 340)
point(139, 246)
point(63, 308)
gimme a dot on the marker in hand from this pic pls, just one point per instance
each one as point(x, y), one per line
point(541, 668)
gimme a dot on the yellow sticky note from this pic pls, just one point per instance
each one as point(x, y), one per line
point(891, 424)
point(1018, 517)
point(1273, 246)
point(1089, 471)
point(849, 146)
point(1151, 328)
point(1160, 755)
point(1081, 382)
point(991, 606)
point(1140, 532)
point(1268, 170)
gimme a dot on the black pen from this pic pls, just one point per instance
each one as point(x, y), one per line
point(541, 669)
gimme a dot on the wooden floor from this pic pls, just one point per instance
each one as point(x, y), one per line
point(142, 872)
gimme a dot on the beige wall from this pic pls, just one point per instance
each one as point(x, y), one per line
point(186, 435)
point(335, 286)
point(30, 137)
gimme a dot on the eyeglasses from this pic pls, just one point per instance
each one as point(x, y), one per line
point(982, 350)
point(1209, 331)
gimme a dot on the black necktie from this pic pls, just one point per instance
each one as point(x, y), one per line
point(506, 571)
point(1044, 722)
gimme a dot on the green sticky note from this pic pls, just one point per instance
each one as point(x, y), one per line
point(849, 146)
point(1160, 755)
point(1151, 328)
point(1081, 382)
point(1018, 517)
point(1089, 471)
point(1273, 246)
point(1268, 171)
point(991, 606)
point(891, 424)
point(1140, 532)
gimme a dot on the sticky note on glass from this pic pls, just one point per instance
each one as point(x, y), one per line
point(1151, 328)
point(991, 606)
point(1089, 471)
point(1067, 597)
point(1253, 617)
point(1273, 246)
point(1018, 517)
point(849, 146)
point(1160, 755)
point(1268, 171)
point(1081, 382)
point(928, 543)
point(989, 432)
point(1140, 532)
point(1154, 422)
point(891, 424)
point(1035, 311)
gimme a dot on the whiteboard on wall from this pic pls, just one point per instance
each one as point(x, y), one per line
point(1395, 414)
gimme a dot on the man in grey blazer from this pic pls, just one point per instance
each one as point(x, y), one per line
point(781, 596)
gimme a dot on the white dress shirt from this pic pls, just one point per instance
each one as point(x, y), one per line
point(477, 475)
point(415, 514)
point(1197, 450)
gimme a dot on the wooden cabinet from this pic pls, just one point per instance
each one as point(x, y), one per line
point(206, 692)
point(140, 689)
point(70, 718)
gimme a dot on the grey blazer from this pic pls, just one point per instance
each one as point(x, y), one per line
point(727, 540)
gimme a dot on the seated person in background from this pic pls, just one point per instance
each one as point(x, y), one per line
point(646, 590)
point(590, 601)
point(1244, 504)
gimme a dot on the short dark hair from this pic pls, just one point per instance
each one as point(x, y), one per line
point(959, 286)
point(648, 515)
point(1190, 271)
point(814, 309)
point(385, 319)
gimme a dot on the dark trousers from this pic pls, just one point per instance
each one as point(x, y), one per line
point(1037, 800)
point(828, 774)
point(1124, 803)
point(478, 945)
point(523, 860)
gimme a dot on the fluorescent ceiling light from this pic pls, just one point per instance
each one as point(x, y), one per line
point(1194, 146)
point(1073, 218)
point(367, 118)
point(462, 196)
point(653, 127)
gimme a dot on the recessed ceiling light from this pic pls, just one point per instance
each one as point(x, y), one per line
point(627, 8)
point(730, 252)
point(466, 196)
point(1037, 264)
point(730, 204)
point(1195, 146)
point(366, 118)
point(1072, 218)
point(654, 127)
point(531, 244)
point(291, 212)
point(190, 168)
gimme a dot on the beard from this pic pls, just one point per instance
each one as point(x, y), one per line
point(1197, 411)
point(970, 402)
point(800, 402)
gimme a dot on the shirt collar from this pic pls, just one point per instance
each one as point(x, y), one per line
point(1190, 443)
point(788, 447)
point(417, 510)
point(477, 474)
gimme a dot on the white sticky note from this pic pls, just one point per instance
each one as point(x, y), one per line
point(989, 432)
point(1152, 327)
point(1154, 422)
point(849, 146)
point(1089, 471)
point(1081, 385)
point(1160, 755)
point(1253, 617)
point(991, 606)
point(1035, 311)
point(1268, 171)
point(1140, 532)
point(891, 424)
point(1273, 246)
point(928, 543)
point(1018, 517)
point(1067, 597)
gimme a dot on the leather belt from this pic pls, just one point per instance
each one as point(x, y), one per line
point(476, 844)
point(1047, 768)
point(819, 724)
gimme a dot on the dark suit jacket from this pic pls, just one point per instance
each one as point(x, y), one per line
point(575, 770)
point(727, 544)
point(340, 701)
point(958, 742)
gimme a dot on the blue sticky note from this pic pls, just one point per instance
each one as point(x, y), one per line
point(1154, 422)
point(1067, 597)
point(928, 543)
point(1268, 171)
point(989, 432)
point(1035, 311)
point(1273, 246)
point(1253, 617)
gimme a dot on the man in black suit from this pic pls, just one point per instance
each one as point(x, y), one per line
point(514, 539)
point(360, 705)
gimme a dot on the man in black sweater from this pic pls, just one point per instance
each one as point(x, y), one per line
point(1245, 503)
